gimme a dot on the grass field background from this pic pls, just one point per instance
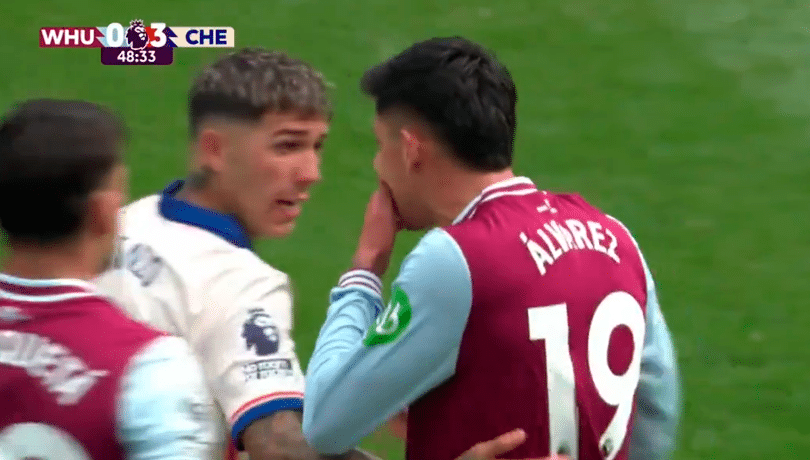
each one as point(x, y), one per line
point(687, 119)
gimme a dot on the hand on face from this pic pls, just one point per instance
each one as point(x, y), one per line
point(380, 225)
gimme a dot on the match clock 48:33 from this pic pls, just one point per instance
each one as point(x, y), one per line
point(129, 56)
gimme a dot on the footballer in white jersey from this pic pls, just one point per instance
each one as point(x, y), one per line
point(258, 119)
point(189, 271)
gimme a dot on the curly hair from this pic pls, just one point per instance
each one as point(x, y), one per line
point(248, 83)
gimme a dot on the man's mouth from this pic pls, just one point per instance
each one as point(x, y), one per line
point(298, 201)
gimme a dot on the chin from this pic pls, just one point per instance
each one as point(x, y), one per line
point(411, 227)
point(414, 227)
point(277, 231)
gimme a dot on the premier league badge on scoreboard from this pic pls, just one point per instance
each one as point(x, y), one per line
point(138, 44)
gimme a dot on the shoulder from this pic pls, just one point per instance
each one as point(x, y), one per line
point(163, 392)
point(571, 198)
point(228, 282)
point(102, 334)
point(110, 317)
point(620, 239)
point(143, 207)
point(203, 267)
point(236, 272)
point(161, 350)
point(438, 245)
point(624, 230)
point(436, 257)
point(592, 212)
point(166, 365)
point(199, 259)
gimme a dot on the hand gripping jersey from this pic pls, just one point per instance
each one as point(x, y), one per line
point(533, 310)
point(191, 272)
point(81, 381)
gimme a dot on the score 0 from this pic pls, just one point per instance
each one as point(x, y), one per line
point(116, 38)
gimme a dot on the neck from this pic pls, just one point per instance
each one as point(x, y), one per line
point(201, 195)
point(64, 261)
point(457, 190)
point(205, 196)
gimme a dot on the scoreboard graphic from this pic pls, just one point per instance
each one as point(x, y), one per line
point(137, 44)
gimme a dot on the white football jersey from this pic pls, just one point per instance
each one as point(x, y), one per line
point(191, 272)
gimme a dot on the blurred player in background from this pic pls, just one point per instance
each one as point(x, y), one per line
point(523, 309)
point(258, 122)
point(79, 380)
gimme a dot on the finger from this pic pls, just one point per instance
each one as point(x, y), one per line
point(502, 444)
point(377, 199)
point(385, 188)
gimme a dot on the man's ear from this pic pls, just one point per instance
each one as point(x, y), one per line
point(102, 211)
point(413, 148)
point(103, 205)
point(210, 149)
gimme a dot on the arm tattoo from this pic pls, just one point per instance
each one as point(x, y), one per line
point(279, 437)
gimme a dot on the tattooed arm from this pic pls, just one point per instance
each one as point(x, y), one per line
point(279, 437)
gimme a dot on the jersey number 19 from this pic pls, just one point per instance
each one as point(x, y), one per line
point(550, 323)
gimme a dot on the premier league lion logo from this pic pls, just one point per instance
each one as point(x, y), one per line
point(136, 35)
point(260, 334)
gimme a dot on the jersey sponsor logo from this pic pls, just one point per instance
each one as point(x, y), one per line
point(59, 370)
point(144, 263)
point(260, 332)
point(268, 368)
point(392, 321)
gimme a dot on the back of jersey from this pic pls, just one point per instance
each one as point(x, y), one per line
point(554, 337)
point(63, 351)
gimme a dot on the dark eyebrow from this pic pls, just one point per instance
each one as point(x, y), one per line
point(292, 132)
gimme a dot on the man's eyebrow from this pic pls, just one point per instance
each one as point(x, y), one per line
point(293, 132)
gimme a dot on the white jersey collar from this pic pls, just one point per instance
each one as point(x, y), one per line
point(43, 290)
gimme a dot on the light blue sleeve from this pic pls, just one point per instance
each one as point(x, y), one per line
point(165, 411)
point(658, 398)
point(367, 364)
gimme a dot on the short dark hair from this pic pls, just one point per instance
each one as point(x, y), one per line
point(53, 155)
point(460, 89)
point(248, 83)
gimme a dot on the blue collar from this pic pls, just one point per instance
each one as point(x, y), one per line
point(184, 212)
